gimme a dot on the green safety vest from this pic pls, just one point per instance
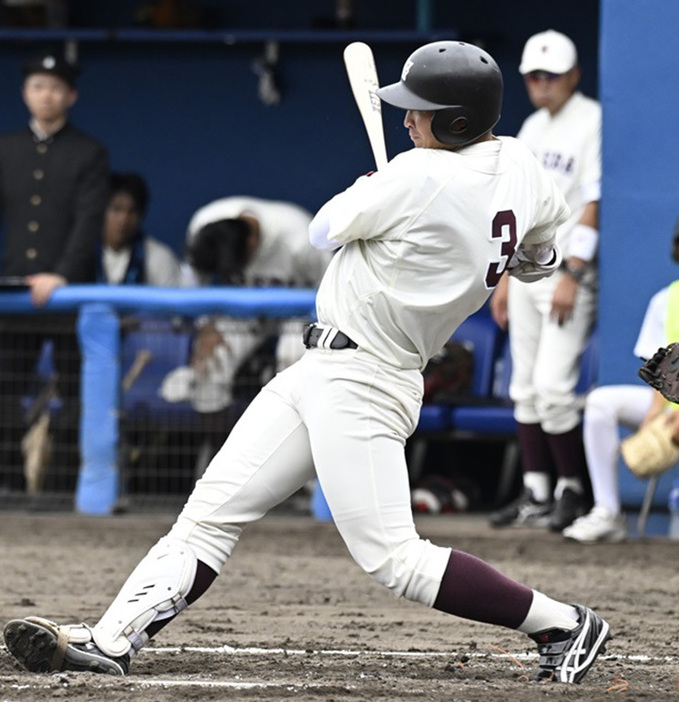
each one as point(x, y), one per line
point(672, 314)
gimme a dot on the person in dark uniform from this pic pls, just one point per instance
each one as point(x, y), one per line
point(53, 193)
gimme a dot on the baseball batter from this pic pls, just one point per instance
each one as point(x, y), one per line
point(420, 245)
point(550, 322)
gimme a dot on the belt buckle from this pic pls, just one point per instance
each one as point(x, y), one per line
point(306, 334)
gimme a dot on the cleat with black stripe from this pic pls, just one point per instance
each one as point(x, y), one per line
point(566, 656)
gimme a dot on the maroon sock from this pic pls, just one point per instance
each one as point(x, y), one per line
point(568, 450)
point(472, 589)
point(536, 454)
point(205, 576)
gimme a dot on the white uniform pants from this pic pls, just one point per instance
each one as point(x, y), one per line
point(608, 408)
point(346, 417)
point(545, 356)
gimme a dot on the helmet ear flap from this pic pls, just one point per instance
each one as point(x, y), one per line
point(451, 125)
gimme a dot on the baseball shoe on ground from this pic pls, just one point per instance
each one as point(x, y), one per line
point(566, 656)
point(599, 526)
point(567, 509)
point(524, 511)
point(42, 646)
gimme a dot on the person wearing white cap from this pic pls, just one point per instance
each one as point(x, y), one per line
point(550, 323)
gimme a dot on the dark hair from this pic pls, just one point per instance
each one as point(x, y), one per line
point(132, 184)
point(220, 248)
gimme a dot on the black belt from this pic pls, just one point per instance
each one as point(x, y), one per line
point(312, 338)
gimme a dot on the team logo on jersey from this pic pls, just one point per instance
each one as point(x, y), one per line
point(406, 69)
point(554, 161)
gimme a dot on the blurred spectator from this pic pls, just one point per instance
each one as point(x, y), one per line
point(249, 242)
point(128, 255)
point(53, 189)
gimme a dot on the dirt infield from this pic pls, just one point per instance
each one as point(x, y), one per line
point(293, 618)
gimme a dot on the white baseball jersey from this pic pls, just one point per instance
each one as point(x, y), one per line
point(283, 256)
point(652, 334)
point(568, 145)
point(422, 250)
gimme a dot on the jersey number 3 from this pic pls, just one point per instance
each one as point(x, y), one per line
point(504, 228)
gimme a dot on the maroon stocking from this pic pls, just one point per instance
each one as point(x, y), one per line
point(472, 589)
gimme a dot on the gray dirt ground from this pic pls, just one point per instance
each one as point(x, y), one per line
point(296, 619)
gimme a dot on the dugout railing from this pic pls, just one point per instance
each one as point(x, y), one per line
point(121, 413)
point(128, 434)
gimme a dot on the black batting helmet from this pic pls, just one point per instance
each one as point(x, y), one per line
point(459, 82)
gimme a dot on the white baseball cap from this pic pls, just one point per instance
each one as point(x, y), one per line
point(548, 51)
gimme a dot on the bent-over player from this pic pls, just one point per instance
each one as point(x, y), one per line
point(423, 242)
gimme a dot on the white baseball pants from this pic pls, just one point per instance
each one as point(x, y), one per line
point(607, 408)
point(342, 416)
point(545, 356)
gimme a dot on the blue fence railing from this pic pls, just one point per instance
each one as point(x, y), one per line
point(98, 308)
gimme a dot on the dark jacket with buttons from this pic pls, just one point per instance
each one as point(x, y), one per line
point(53, 194)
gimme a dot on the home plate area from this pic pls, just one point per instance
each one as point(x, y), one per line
point(292, 617)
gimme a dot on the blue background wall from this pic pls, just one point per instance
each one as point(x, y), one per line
point(187, 115)
point(640, 95)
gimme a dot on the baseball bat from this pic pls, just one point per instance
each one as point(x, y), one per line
point(360, 65)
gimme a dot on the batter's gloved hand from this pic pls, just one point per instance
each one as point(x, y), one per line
point(534, 263)
point(661, 372)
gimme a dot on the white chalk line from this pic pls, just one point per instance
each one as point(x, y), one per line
point(232, 685)
point(342, 652)
point(257, 651)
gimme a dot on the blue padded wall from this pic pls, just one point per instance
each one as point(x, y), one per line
point(639, 67)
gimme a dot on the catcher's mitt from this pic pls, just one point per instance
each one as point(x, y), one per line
point(651, 450)
point(662, 372)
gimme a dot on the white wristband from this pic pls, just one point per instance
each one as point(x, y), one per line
point(583, 242)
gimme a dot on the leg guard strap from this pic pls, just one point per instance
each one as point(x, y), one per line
point(156, 589)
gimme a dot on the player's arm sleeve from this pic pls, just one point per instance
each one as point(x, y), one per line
point(590, 188)
point(551, 212)
point(538, 254)
point(319, 230)
point(358, 212)
point(584, 238)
